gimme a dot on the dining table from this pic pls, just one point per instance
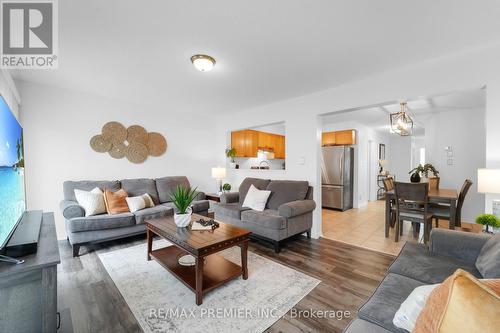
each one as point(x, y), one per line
point(448, 197)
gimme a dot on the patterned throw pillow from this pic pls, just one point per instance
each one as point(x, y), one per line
point(116, 202)
point(461, 303)
point(148, 200)
point(91, 201)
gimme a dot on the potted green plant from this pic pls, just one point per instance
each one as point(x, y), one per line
point(415, 173)
point(231, 153)
point(489, 220)
point(226, 187)
point(182, 198)
point(424, 170)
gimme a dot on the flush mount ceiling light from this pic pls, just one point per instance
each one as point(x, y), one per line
point(401, 122)
point(203, 62)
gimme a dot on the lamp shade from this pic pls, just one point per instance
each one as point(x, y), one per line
point(488, 180)
point(218, 173)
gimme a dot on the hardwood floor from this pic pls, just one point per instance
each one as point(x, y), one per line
point(365, 227)
point(90, 302)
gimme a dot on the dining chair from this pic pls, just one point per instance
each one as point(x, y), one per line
point(389, 186)
point(412, 201)
point(442, 212)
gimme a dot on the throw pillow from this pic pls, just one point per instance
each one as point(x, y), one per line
point(135, 203)
point(115, 201)
point(256, 199)
point(488, 262)
point(91, 201)
point(409, 310)
point(461, 303)
point(148, 200)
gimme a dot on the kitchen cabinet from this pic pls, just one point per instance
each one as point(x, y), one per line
point(248, 142)
point(338, 138)
point(245, 142)
point(279, 148)
point(328, 138)
point(347, 137)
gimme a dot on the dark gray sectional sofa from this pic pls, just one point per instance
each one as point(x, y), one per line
point(83, 230)
point(288, 211)
point(418, 265)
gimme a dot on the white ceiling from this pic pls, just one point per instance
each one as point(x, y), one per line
point(420, 110)
point(266, 50)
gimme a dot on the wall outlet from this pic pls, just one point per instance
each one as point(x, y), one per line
point(301, 161)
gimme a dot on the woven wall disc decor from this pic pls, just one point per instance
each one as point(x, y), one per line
point(114, 132)
point(157, 145)
point(118, 150)
point(136, 133)
point(134, 142)
point(137, 152)
point(99, 144)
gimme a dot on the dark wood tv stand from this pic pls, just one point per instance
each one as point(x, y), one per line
point(28, 291)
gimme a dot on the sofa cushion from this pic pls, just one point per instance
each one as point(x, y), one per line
point(416, 262)
point(386, 300)
point(198, 206)
point(488, 261)
point(269, 218)
point(136, 187)
point(87, 185)
point(166, 185)
point(232, 210)
point(100, 222)
point(283, 191)
point(151, 213)
point(260, 184)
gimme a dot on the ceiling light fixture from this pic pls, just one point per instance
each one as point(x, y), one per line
point(203, 62)
point(401, 122)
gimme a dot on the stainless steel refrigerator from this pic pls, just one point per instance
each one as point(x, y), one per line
point(337, 177)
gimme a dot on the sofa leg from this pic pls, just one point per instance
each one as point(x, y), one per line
point(76, 249)
point(308, 233)
point(277, 247)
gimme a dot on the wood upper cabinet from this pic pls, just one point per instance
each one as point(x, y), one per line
point(328, 138)
point(248, 142)
point(279, 149)
point(346, 137)
point(245, 142)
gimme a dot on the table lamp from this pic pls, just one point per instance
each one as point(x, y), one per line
point(488, 181)
point(219, 174)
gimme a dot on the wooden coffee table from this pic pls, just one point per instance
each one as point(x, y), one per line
point(210, 270)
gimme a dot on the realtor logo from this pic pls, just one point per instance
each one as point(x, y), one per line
point(29, 34)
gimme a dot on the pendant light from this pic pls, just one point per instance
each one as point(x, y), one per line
point(401, 122)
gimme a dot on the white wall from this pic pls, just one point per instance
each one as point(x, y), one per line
point(58, 125)
point(462, 71)
point(9, 92)
point(464, 130)
point(400, 151)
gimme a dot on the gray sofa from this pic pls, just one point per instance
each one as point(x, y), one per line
point(288, 211)
point(418, 265)
point(99, 228)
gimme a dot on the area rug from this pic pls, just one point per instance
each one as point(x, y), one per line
point(161, 303)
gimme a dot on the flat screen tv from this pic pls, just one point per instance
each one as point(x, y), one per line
point(12, 191)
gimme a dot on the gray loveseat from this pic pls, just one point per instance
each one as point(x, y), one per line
point(99, 228)
point(418, 265)
point(288, 211)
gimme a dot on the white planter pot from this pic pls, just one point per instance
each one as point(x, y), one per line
point(183, 220)
point(232, 165)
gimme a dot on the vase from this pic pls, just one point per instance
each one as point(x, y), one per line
point(232, 165)
point(183, 220)
point(415, 178)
